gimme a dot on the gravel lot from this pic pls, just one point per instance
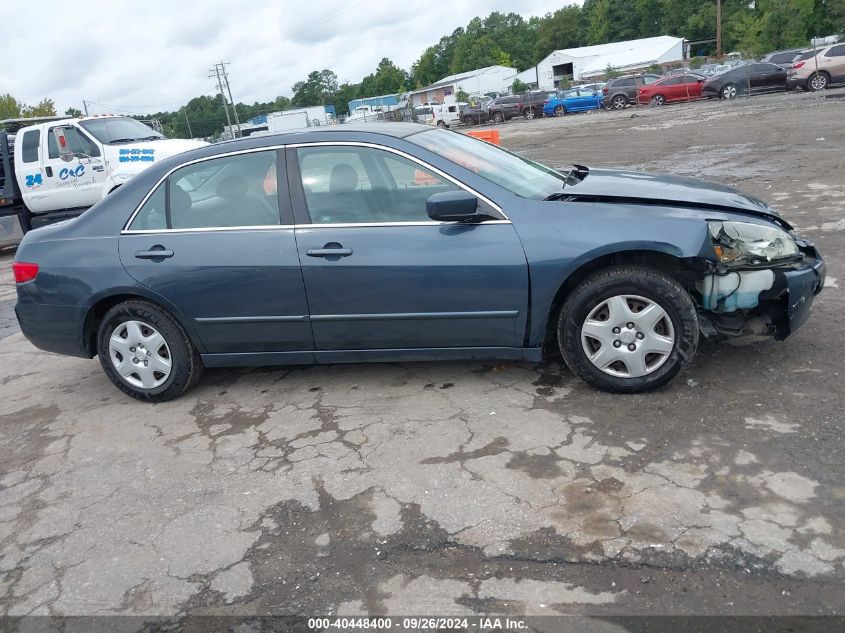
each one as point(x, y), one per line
point(451, 488)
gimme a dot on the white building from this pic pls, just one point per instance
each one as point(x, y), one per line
point(591, 61)
point(490, 79)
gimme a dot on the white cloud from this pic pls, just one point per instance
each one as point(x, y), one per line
point(145, 57)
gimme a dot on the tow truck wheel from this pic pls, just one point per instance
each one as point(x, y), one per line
point(628, 329)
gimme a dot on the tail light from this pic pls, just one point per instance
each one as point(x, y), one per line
point(798, 64)
point(24, 271)
point(604, 91)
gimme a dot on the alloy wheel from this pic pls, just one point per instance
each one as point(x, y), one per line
point(628, 336)
point(729, 91)
point(619, 102)
point(658, 100)
point(818, 81)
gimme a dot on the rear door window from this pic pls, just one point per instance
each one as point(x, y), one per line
point(29, 146)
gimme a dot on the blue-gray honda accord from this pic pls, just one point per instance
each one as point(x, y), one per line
point(399, 242)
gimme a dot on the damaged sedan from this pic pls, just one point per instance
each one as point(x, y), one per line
point(398, 242)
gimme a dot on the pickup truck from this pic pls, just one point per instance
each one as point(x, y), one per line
point(52, 168)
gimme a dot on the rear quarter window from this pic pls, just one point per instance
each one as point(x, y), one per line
point(29, 146)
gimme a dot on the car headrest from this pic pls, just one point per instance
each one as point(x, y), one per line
point(344, 179)
point(180, 201)
point(232, 187)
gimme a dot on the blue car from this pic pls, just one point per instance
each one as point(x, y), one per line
point(399, 242)
point(573, 100)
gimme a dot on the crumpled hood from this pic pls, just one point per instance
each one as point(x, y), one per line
point(625, 184)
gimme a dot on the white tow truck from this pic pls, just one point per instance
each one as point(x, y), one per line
point(52, 169)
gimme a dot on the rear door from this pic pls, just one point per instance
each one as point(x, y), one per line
point(380, 274)
point(833, 61)
point(216, 241)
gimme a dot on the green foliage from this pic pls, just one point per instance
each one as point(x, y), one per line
point(73, 112)
point(657, 69)
point(611, 73)
point(461, 96)
point(317, 89)
point(11, 108)
point(519, 87)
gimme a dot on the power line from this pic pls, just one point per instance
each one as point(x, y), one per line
point(219, 71)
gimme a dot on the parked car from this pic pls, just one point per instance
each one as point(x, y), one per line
point(572, 100)
point(400, 242)
point(475, 112)
point(532, 102)
point(781, 57)
point(818, 71)
point(503, 109)
point(622, 91)
point(751, 77)
point(686, 87)
point(597, 86)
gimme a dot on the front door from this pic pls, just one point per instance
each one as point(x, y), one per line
point(379, 274)
point(74, 183)
point(210, 241)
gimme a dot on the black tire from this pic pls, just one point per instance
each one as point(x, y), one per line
point(186, 364)
point(818, 81)
point(468, 120)
point(658, 100)
point(618, 102)
point(441, 123)
point(628, 280)
point(560, 110)
point(498, 118)
point(529, 113)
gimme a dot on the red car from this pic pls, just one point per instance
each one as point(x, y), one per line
point(685, 87)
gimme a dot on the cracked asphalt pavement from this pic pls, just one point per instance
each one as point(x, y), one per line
point(461, 488)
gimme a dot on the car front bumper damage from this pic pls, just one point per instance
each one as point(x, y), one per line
point(772, 301)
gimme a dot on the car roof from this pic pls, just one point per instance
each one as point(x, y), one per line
point(396, 130)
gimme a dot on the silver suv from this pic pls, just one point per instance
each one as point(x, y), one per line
point(819, 71)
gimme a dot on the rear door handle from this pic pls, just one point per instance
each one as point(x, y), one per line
point(154, 253)
point(328, 252)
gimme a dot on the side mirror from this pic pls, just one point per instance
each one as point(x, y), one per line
point(452, 206)
point(65, 153)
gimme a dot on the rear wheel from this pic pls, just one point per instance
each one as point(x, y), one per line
point(468, 120)
point(146, 353)
point(498, 117)
point(529, 113)
point(818, 81)
point(628, 329)
point(441, 123)
point(658, 100)
point(618, 102)
point(729, 91)
point(560, 111)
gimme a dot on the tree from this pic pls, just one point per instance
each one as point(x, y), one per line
point(388, 79)
point(556, 31)
point(73, 112)
point(317, 89)
point(519, 87)
point(45, 107)
point(461, 96)
point(10, 108)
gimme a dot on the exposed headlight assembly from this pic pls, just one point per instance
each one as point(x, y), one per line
point(743, 243)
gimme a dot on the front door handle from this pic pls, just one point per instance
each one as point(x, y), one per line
point(98, 168)
point(157, 252)
point(328, 252)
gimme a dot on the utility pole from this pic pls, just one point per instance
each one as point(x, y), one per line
point(223, 78)
point(216, 71)
point(718, 28)
point(85, 106)
point(190, 133)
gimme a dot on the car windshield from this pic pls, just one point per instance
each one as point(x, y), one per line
point(516, 174)
point(119, 130)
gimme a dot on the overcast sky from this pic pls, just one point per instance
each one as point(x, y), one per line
point(152, 56)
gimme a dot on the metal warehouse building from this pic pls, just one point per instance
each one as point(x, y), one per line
point(592, 61)
point(473, 82)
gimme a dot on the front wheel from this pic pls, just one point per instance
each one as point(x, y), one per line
point(468, 120)
point(628, 329)
point(529, 113)
point(729, 92)
point(146, 353)
point(498, 118)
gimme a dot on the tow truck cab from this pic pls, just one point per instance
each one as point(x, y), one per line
point(58, 167)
